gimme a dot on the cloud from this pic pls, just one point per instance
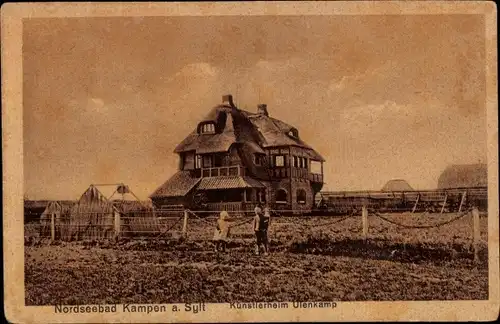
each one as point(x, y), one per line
point(96, 105)
point(375, 117)
point(197, 69)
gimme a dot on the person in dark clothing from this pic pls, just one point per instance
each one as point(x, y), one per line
point(260, 226)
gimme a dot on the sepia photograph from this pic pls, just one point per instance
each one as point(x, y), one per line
point(180, 160)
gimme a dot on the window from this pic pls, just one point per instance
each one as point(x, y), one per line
point(315, 167)
point(295, 162)
point(218, 160)
point(306, 164)
point(280, 161)
point(293, 133)
point(207, 128)
point(300, 162)
point(198, 162)
point(281, 196)
point(301, 196)
point(207, 161)
point(261, 194)
point(258, 159)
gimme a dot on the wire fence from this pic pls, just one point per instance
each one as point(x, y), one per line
point(200, 225)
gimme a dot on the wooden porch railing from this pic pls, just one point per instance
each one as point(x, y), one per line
point(233, 170)
point(232, 206)
point(227, 206)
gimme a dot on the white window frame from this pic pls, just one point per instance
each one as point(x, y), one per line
point(208, 128)
point(315, 167)
point(281, 158)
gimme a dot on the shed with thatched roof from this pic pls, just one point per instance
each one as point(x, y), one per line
point(464, 176)
point(60, 211)
point(92, 217)
point(252, 157)
point(397, 185)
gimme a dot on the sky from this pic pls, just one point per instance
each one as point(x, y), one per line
point(106, 100)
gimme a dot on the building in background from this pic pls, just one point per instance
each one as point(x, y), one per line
point(397, 185)
point(464, 176)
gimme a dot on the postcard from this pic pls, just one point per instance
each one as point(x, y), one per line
point(250, 162)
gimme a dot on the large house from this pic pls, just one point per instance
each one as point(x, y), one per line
point(235, 159)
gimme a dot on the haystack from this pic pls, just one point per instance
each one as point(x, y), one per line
point(92, 217)
point(464, 176)
point(397, 185)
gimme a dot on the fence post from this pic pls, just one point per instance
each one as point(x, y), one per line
point(117, 223)
point(52, 227)
point(185, 224)
point(462, 201)
point(476, 233)
point(364, 217)
point(444, 202)
point(416, 203)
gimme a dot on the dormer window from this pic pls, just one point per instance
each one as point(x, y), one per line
point(293, 133)
point(206, 128)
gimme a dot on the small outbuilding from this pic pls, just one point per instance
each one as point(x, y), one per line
point(60, 211)
point(464, 176)
point(93, 216)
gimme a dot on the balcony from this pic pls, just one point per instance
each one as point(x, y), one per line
point(234, 170)
point(316, 177)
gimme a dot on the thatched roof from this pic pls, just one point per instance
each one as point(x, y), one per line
point(93, 201)
point(177, 186)
point(58, 207)
point(229, 182)
point(464, 176)
point(397, 185)
point(233, 125)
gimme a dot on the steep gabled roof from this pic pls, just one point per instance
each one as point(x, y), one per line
point(275, 132)
point(234, 125)
point(93, 201)
point(218, 142)
point(58, 207)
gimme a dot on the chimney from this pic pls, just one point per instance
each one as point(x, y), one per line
point(228, 100)
point(262, 109)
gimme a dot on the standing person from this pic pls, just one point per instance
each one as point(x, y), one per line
point(260, 226)
point(258, 210)
point(221, 232)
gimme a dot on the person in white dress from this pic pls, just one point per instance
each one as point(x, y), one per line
point(221, 232)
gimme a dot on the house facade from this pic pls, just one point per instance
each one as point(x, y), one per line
point(235, 159)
